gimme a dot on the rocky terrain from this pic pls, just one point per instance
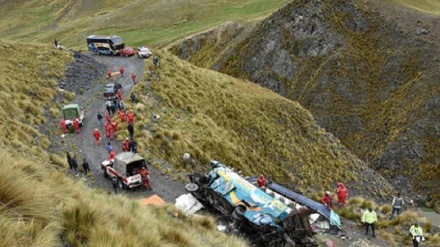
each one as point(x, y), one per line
point(366, 70)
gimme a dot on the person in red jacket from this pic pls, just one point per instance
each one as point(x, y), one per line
point(130, 117)
point(109, 74)
point(114, 127)
point(122, 116)
point(119, 94)
point(112, 154)
point(63, 126)
point(145, 177)
point(121, 70)
point(342, 193)
point(76, 125)
point(133, 77)
point(327, 200)
point(108, 130)
point(97, 136)
point(261, 182)
point(126, 145)
point(107, 117)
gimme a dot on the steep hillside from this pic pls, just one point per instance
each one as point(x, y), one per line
point(213, 116)
point(366, 76)
point(39, 204)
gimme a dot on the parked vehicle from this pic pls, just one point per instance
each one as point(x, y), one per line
point(266, 219)
point(125, 167)
point(105, 44)
point(72, 112)
point(144, 52)
point(111, 89)
point(127, 52)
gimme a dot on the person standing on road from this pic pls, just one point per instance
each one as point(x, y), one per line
point(76, 125)
point(63, 126)
point(86, 167)
point(369, 218)
point(99, 116)
point(126, 145)
point(133, 77)
point(109, 147)
point(69, 160)
point(130, 129)
point(112, 154)
point(122, 116)
point(416, 233)
point(121, 70)
point(397, 205)
point(130, 117)
point(108, 106)
point(122, 106)
point(113, 109)
point(75, 165)
point(119, 94)
point(97, 136)
point(109, 74)
point(115, 185)
point(133, 145)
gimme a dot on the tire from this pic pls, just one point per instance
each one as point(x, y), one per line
point(191, 187)
point(238, 213)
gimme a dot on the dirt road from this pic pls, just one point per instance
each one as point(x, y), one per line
point(93, 101)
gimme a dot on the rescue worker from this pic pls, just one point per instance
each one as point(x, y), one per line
point(97, 136)
point(327, 200)
point(115, 185)
point(107, 117)
point(121, 70)
point(261, 182)
point(76, 125)
point(119, 94)
point(114, 127)
point(63, 126)
point(130, 129)
point(108, 130)
point(109, 74)
point(109, 147)
point(397, 205)
point(112, 154)
point(145, 177)
point(342, 193)
point(151, 69)
point(86, 167)
point(122, 116)
point(126, 145)
point(133, 77)
point(369, 218)
point(99, 116)
point(130, 117)
point(416, 233)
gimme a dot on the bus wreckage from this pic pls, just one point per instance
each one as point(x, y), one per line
point(270, 216)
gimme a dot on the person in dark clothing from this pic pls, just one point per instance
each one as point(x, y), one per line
point(109, 147)
point(133, 145)
point(74, 165)
point(99, 116)
point(130, 129)
point(69, 160)
point(108, 106)
point(156, 61)
point(55, 42)
point(133, 98)
point(86, 167)
point(115, 185)
point(113, 109)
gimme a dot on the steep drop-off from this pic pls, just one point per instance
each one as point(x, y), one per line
point(365, 78)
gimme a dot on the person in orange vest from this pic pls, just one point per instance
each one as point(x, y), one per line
point(112, 154)
point(109, 74)
point(130, 117)
point(133, 77)
point(126, 145)
point(63, 126)
point(342, 193)
point(119, 94)
point(108, 130)
point(76, 125)
point(97, 136)
point(261, 182)
point(121, 70)
point(145, 177)
point(122, 116)
point(327, 200)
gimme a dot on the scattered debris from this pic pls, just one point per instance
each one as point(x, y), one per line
point(422, 31)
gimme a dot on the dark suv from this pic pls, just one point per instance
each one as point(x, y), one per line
point(111, 89)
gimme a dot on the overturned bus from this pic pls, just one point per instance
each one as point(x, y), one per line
point(267, 220)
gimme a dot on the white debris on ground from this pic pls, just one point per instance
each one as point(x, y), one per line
point(362, 243)
point(188, 204)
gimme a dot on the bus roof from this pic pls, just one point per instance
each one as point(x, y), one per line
point(102, 37)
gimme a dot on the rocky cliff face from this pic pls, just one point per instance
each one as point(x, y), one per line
point(365, 77)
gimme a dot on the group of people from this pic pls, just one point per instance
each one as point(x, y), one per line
point(73, 164)
point(63, 126)
point(342, 194)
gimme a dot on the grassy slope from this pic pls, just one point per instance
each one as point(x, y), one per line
point(427, 6)
point(40, 206)
point(140, 22)
point(213, 116)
